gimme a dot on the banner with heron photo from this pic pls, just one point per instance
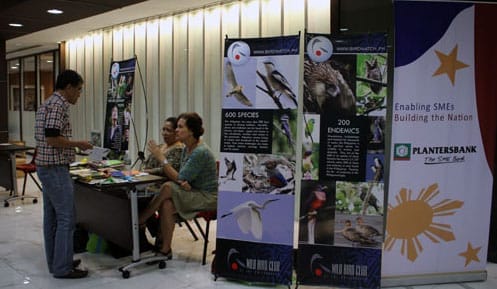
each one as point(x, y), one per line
point(343, 147)
point(255, 222)
point(118, 112)
point(443, 141)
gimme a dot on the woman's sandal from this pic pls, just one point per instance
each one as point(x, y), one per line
point(168, 255)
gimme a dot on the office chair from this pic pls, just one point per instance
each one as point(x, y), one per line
point(208, 216)
point(27, 169)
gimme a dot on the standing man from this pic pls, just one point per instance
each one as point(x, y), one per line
point(55, 151)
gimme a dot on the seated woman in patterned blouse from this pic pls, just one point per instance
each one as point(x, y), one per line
point(171, 149)
point(191, 189)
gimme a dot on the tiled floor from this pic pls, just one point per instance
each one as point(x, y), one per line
point(22, 261)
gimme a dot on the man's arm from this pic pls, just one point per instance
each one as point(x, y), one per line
point(62, 142)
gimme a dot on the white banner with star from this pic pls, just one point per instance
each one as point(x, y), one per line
point(443, 139)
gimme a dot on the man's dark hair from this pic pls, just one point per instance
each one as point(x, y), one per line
point(68, 77)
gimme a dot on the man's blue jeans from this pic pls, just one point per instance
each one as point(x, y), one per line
point(58, 217)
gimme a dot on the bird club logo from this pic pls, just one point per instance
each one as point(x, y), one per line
point(402, 152)
point(233, 260)
point(317, 267)
point(239, 53)
point(114, 72)
point(319, 49)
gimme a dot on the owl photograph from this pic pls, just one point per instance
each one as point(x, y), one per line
point(371, 84)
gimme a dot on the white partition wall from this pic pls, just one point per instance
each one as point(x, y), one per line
point(180, 57)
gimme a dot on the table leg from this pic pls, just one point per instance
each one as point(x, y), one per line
point(14, 173)
point(137, 260)
point(135, 225)
point(13, 179)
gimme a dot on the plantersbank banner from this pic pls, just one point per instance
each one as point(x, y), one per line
point(443, 139)
point(258, 144)
point(343, 147)
point(118, 113)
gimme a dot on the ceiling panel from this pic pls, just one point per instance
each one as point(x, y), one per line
point(32, 13)
point(82, 18)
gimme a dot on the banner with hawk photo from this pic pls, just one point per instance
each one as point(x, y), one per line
point(343, 147)
point(118, 112)
point(443, 141)
point(255, 221)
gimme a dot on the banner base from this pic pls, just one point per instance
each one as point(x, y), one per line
point(455, 277)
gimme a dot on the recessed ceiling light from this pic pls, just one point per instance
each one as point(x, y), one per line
point(13, 67)
point(15, 24)
point(49, 61)
point(55, 11)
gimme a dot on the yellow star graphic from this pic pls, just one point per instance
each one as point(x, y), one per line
point(449, 64)
point(471, 254)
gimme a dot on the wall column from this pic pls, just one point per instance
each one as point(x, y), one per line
point(62, 58)
point(4, 109)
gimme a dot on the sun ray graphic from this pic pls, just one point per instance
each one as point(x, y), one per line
point(414, 217)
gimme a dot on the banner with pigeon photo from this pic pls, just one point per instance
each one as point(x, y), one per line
point(118, 112)
point(343, 147)
point(443, 141)
point(255, 221)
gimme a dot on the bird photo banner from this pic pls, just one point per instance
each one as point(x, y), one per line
point(257, 169)
point(343, 147)
point(443, 140)
point(118, 112)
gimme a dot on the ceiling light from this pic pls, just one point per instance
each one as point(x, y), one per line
point(54, 11)
point(15, 24)
point(13, 67)
point(49, 61)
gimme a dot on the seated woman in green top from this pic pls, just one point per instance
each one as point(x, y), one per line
point(191, 189)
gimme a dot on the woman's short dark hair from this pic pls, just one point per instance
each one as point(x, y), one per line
point(173, 121)
point(67, 77)
point(194, 123)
